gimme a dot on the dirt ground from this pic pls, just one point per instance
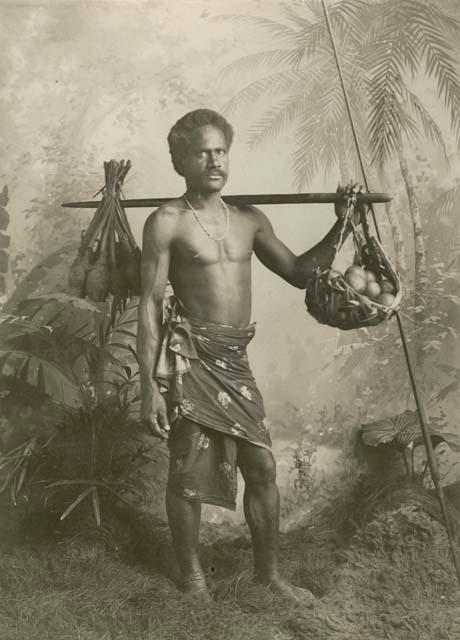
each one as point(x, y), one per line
point(385, 573)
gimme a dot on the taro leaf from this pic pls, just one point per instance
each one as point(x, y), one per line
point(404, 430)
point(386, 430)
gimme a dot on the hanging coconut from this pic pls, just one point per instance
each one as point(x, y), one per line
point(79, 269)
point(97, 285)
point(108, 261)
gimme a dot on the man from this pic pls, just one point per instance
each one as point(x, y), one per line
point(193, 363)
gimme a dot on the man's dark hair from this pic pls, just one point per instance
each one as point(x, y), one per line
point(181, 133)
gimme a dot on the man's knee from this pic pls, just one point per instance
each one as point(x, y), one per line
point(258, 467)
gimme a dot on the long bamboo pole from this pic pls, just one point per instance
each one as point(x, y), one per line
point(434, 470)
point(239, 200)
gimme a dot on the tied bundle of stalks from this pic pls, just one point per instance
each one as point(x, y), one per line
point(108, 261)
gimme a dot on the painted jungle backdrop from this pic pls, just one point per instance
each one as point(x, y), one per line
point(81, 483)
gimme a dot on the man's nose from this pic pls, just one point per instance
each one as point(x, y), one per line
point(213, 160)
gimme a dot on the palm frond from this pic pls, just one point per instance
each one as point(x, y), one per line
point(310, 136)
point(271, 85)
point(440, 65)
point(430, 126)
point(305, 87)
point(402, 24)
point(388, 120)
point(349, 20)
point(348, 141)
point(276, 119)
point(447, 204)
point(292, 16)
point(328, 154)
point(444, 22)
point(324, 111)
point(266, 25)
point(257, 62)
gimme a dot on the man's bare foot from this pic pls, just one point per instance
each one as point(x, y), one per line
point(196, 588)
point(283, 588)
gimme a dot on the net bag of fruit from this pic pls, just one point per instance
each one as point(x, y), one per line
point(108, 261)
point(367, 293)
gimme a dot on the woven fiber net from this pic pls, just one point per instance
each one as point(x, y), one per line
point(331, 300)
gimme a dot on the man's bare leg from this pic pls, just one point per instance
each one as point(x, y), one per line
point(184, 521)
point(261, 508)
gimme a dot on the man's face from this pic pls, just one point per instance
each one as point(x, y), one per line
point(205, 167)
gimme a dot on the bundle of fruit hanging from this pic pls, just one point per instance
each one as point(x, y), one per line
point(108, 261)
point(367, 293)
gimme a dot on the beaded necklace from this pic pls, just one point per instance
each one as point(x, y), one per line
point(200, 222)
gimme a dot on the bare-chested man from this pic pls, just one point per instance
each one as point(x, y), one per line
point(197, 388)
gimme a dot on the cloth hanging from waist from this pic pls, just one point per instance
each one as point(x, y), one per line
point(203, 369)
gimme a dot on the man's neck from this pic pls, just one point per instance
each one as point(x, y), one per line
point(204, 200)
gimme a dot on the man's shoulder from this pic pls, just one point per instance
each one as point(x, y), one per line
point(166, 214)
point(256, 216)
point(250, 212)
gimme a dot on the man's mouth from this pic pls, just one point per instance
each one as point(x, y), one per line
point(215, 175)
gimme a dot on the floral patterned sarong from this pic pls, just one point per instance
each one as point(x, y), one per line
point(211, 393)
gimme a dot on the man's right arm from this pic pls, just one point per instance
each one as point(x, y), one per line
point(157, 236)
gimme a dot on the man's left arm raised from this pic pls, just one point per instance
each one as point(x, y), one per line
point(277, 257)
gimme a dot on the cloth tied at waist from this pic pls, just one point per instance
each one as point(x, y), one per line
point(203, 370)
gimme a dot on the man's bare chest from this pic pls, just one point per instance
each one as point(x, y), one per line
point(193, 246)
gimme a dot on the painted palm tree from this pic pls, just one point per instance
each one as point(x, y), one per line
point(444, 213)
point(383, 46)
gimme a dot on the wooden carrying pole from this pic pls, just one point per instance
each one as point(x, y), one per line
point(261, 198)
point(417, 397)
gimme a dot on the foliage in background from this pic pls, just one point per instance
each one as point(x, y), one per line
point(301, 71)
point(378, 353)
point(382, 46)
point(81, 442)
point(385, 47)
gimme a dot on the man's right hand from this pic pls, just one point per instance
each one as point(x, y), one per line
point(349, 191)
point(155, 415)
